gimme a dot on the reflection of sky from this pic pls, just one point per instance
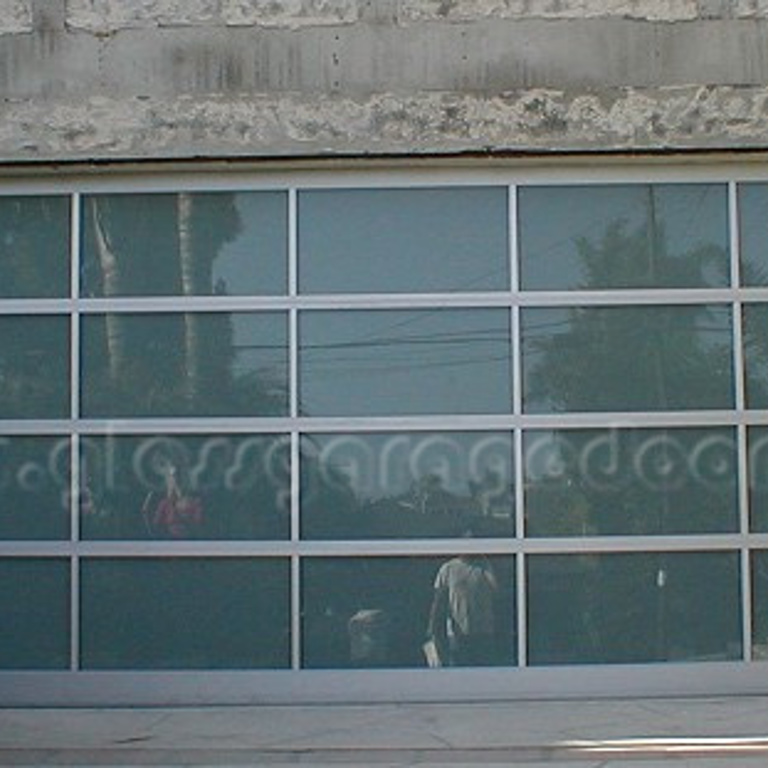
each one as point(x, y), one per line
point(403, 240)
point(256, 260)
point(553, 219)
point(389, 362)
point(753, 209)
point(260, 342)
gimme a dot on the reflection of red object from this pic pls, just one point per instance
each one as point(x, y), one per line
point(177, 517)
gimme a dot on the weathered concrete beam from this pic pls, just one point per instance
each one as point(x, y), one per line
point(112, 79)
point(276, 126)
point(487, 57)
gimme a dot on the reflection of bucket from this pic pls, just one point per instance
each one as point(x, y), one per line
point(369, 637)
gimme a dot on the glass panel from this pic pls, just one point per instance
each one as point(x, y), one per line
point(203, 364)
point(407, 485)
point(376, 363)
point(627, 358)
point(759, 561)
point(34, 247)
point(34, 614)
point(756, 354)
point(34, 367)
point(628, 482)
point(377, 611)
point(633, 608)
point(34, 487)
point(187, 244)
point(185, 614)
point(185, 487)
point(758, 478)
point(753, 229)
point(624, 236)
point(411, 240)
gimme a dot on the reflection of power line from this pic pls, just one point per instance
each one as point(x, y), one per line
point(363, 367)
point(482, 336)
point(414, 316)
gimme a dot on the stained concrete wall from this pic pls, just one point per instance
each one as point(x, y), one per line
point(123, 79)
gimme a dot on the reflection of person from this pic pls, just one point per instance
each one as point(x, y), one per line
point(173, 515)
point(462, 618)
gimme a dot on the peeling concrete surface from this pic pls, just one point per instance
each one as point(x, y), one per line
point(15, 17)
point(106, 16)
point(535, 120)
point(655, 10)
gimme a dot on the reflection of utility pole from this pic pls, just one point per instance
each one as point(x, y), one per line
point(661, 609)
point(661, 387)
point(189, 287)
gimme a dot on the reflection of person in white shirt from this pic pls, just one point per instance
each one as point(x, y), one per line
point(462, 620)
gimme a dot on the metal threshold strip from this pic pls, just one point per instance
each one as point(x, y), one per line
point(127, 753)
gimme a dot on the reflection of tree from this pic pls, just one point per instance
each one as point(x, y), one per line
point(611, 359)
point(616, 359)
point(34, 354)
point(110, 273)
point(368, 503)
point(169, 363)
point(34, 246)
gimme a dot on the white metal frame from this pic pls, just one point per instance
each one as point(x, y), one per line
point(84, 687)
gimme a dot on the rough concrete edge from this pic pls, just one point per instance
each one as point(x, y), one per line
point(541, 120)
point(311, 13)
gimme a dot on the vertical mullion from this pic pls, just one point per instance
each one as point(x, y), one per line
point(74, 362)
point(521, 626)
point(293, 377)
point(74, 614)
point(740, 398)
point(293, 351)
point(74, 447)
point(295, 612)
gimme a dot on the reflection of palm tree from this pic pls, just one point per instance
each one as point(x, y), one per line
point(112, 286)
point(162, 245)
point(189, 287)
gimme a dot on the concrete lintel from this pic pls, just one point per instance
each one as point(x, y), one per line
point(627, 119)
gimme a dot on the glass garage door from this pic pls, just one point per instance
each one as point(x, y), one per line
point(381, 436)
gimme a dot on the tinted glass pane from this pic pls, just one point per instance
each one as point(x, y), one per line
point(753, 223)
point(633, 608)
point(176, 487)
point(406, 485)
point(185, 614)
point(377, 611)
point(34, 247)
point(414, 240)
point(34, 614)
point(34, 367)
point(759, 562)
point(756, 354)
point(34, 487)
point(630, 482)
point(389, 362)
point(204, 364)
point(758, 477)
point(624, 236)
point(185, 244)
point(627, 358)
